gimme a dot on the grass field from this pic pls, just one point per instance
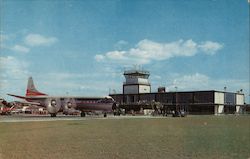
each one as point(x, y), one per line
point(191, 137)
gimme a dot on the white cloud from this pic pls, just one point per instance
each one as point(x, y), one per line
point(13, 74)
point(146, 51)
point(210, 47)
point(30, 40)
point(20, 48)
point(195, 81)
point(157, 77)
point(116, 55)
point(39, 40)
point(99, 58)
point(12, 67)
point(120, 44)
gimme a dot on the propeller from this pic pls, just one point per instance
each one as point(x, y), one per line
point(53, 105)
point(69, 104)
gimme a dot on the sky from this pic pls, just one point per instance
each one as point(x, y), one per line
point(73, 47)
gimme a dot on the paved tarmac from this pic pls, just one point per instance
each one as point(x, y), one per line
point(34, 118)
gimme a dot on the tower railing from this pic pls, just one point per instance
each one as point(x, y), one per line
point(136, 71)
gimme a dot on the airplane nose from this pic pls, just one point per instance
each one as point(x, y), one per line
point(69, 104)
point(53, 102)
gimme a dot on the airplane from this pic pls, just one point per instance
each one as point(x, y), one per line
point(54, 104)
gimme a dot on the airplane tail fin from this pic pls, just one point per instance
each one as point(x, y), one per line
point(31, 89)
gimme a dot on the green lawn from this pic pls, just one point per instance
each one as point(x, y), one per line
point(190, 137)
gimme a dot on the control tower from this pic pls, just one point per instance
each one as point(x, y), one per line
point(136, 82)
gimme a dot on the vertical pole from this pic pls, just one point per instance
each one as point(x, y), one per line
point(176, 100)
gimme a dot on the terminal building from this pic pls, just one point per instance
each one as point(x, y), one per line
point(137, 95)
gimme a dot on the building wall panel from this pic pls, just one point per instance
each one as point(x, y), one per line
point(165, 97)
point(230, 98)
point(147, 97)
point(239, 99)
point(184, 97)
point(203, 97)
point(144, 89)
point(219, 97)
point(131, 89)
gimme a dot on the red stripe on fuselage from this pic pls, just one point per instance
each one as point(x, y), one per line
point(31, 93)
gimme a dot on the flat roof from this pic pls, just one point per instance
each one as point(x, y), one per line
point(182, 92)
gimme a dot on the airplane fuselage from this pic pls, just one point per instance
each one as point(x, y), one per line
point(54, 104)
point(83, 104)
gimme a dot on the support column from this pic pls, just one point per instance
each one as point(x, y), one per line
point(238, 109)
point(218, 109)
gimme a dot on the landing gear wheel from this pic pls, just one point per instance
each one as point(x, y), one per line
point(105, 115)
point(83, 114)
point(117, 114)
point(53, 115)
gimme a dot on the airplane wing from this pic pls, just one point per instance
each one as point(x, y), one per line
point(17, 96)
point(28, 97)
point(32, 103)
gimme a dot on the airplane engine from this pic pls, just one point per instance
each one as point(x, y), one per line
point(69, 104)
point(53, 106)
